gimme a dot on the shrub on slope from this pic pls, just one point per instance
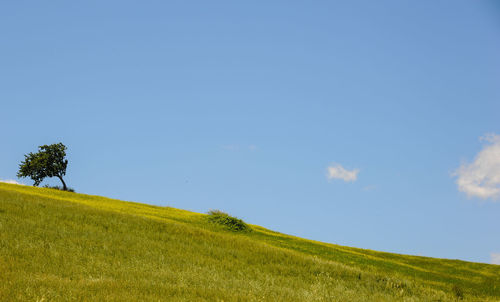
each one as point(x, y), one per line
point(229, 222)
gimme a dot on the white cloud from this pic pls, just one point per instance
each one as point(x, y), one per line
point(11, 181)
point(370, 188)
point(481, 178)
point(336, 171)
point(495, 258)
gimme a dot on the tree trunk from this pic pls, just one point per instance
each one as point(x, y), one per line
point(64, 184)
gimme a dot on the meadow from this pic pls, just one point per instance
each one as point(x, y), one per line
point(63, 246)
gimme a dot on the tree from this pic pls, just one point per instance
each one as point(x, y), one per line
point(47, 162)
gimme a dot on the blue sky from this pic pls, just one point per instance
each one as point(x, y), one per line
point(351, 122)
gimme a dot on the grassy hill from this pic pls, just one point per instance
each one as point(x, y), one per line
point(61, 246)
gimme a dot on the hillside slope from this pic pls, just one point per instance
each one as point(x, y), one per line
point(61, 246)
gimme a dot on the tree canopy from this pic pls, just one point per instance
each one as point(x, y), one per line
point(49, 161)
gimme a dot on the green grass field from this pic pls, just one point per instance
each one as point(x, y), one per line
point(61, 246)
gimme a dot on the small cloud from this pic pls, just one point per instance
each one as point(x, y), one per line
point(481, 178)
point(252, 148)
point(11, 181)
point(336, 171)
point(495, 258)
point(370, 188)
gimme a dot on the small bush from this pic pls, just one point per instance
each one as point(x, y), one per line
point(458, 292)
point(229, 222)
point(59, 188)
